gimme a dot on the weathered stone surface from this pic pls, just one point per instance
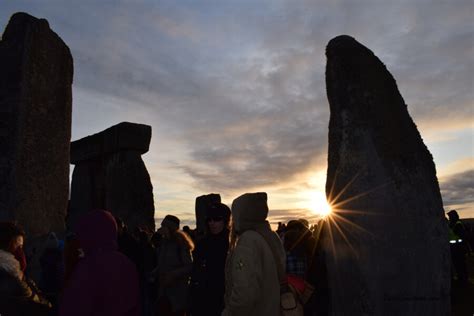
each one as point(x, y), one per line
point(203, 202)
point(387, 250)
point(120, 137)
point(35, 128)
point(110, 174)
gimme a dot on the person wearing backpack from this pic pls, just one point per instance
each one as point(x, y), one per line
point(255, 259)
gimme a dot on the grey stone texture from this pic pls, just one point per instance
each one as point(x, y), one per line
point(35, 127)
point(203, 203)
point(387, 249)
point(110, 174)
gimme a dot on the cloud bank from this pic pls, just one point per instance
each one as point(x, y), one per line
point(235, 91)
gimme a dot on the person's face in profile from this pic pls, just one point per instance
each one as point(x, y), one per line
point(16, 243)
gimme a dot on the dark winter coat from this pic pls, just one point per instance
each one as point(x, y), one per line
point(208, 277)
point(52, 270)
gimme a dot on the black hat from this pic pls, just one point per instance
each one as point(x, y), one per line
point(171, 222)
point(453, 214)
point(219, 210)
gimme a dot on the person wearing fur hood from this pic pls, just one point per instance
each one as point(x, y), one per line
point(174, 266)
point(18, 295)
point(252, 283)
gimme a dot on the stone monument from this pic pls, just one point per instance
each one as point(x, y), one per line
point(110, 174)
point(387, 249)
point(35, 127)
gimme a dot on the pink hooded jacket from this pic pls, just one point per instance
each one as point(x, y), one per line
point(105, 282)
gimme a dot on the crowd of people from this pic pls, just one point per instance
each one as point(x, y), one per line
point(238, 266)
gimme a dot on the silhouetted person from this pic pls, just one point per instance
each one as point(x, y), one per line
point(52, 269)
point(458, 245)
point(156, 240)
point(18, 295)
point(281, 229)
point(71, 256)
point(296, 261)
point(302, 242)
point(148, 263)
point(188, 231)
point(252, 279)
point(300, 246)
point(208, 277)
point(105, 281)
point(320, 302)
point(127, 244)
point(174, 265)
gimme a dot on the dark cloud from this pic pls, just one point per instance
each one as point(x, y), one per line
point(458, 189)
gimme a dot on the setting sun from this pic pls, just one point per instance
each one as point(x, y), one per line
point(319, 205)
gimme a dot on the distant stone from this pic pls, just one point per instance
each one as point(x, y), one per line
point(203, 203)
point(389, 252)
point(35, 128)
point(110, 174)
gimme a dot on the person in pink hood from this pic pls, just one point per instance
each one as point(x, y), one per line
point(104, 282)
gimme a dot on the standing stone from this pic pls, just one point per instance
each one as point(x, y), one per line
point(110, 174)
point(388, 248)
point(203, 203)
point(36, 71)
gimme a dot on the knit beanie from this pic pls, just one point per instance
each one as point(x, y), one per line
point(219, 210)
point(171, 222)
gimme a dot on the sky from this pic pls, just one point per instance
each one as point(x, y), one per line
point(235, 90)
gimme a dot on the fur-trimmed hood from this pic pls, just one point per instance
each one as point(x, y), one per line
point(9, 264)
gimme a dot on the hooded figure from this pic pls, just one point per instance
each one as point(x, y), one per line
point(104, 282)
point(252, 283)
point(207, 278)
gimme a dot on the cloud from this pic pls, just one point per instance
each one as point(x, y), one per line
point(235, 91)
point(458, 189)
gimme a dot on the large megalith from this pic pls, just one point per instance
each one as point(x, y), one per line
point(36, 71)
point(110, 174)
point(387, 249)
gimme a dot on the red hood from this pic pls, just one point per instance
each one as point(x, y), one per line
point(97, 231)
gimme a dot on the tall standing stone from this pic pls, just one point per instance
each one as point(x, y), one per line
point(388, 248)
point(203, 203)
point(110, 174)
point(36, 71)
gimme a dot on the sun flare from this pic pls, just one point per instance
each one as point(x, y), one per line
point(319, 205)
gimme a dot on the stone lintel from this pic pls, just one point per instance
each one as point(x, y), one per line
point(123, 136)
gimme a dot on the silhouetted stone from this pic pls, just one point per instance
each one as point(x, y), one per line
point(203, 203)
point(109, 173)
point(35, 129)
point(121, 137)
point(392, 257)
